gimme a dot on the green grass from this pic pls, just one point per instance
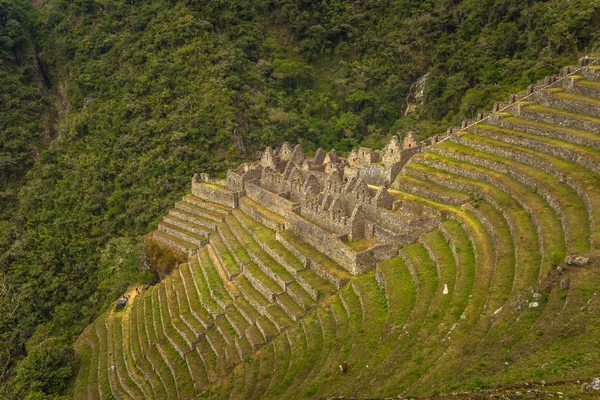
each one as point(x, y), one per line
point(550, 127)
point(550, 226)
point(437, 190)
point(254, 271)
point(359, 244)
point(209, 203)
point(149, 344)
point(248, 309)
point(571, 205)
point(183, 243)
point(141, 361)
point(237, 320)
point(576, 97)
point(237, 249)
point(217, 288)
point(217, 344)
point(586, 179)
point(329, 330)
point(201, 211)
point(309, 251)
point(225, 328)
point(526, 235)
point(229, 263)
point(86, 385)
point(167, 338)
point(267, 213)
point(282, 274)
point(590, 84)
point(125, 366)
point(281, 364)
point(300, 295)
point(199, 282)
point(585, 151)
point(289, 304)
point(104, 384)
point(563, 113)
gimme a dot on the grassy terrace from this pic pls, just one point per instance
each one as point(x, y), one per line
point(179, 241)
point(237, 249)
point(262, 210)
point(213, 279)
point(435, 189)
point(86, 385)
point(432, 342)
point(277, 270)
point(573, 208)
point(132, 329)
point(183, 231)
point(185, 285)
point(193, 271)
point(104, 385)
point(207, 204)
point(570, 205)
point(140, 344)
point(563, 113)
point(309, 251)
point(360, 244)
point(587, 180)
point(229, 264)
point(529, 258)
point(328, 335)
point(200, 211)
point(475, 302)
point(169, 345)
point(576, 97)
point(546, 216)
point(528, 123)
point(266, 236)
point(195, 218)
point(588, 152)
point(586, 83)
point(187, 226)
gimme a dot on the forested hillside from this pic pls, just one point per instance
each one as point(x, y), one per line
point(108, 107)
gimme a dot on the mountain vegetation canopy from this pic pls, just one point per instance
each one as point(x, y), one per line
point(108, 107)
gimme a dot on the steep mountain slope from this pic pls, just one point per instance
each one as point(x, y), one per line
point(485, 299)
point(112, 105)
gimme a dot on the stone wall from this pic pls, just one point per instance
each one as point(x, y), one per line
point(215, 193)
point(545, 98)
point(519, 177)
point(539, 164)
point(558, 120)
point(269, 200)
point(323, 241)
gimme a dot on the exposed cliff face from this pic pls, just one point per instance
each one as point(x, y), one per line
point(416, 95)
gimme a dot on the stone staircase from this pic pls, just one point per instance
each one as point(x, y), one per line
point(257, 312)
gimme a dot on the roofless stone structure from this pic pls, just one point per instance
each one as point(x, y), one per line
point(273, 301)
point(341, 206)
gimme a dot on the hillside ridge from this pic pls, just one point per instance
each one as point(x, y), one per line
point(461, 262)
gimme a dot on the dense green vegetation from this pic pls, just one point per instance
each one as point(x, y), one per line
point(111, 106)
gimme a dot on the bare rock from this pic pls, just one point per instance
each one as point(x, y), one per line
point(578, 261)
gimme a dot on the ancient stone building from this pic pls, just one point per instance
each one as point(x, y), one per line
point(329, 201)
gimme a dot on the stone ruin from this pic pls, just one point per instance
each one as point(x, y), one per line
point(336, 204)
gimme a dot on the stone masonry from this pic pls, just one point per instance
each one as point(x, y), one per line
point(329, 201)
